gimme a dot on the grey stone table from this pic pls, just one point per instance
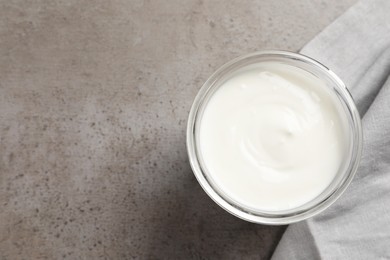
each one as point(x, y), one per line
point(94, 97)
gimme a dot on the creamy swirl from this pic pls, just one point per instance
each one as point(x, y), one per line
point(272, 137)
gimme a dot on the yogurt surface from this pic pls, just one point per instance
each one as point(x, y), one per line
point(272, 137)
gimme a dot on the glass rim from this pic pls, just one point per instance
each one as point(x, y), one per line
point(274, 218)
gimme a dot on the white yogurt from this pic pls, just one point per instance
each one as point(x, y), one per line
point(272, 137)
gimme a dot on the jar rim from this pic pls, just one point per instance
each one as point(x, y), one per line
point(275, 218)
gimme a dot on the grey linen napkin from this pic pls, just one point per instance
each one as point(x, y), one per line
point(357, 47)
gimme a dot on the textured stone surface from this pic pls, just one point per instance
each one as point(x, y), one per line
point(94, 97)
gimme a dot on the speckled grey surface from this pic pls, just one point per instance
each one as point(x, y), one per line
point(94, 97)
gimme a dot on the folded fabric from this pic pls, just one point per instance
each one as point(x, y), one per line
point(357, 48)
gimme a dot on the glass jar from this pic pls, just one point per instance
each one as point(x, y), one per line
point(341, 180)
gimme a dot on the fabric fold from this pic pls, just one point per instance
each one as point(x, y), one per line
point(369, 86)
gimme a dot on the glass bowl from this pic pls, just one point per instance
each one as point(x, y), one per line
point(339, 183)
